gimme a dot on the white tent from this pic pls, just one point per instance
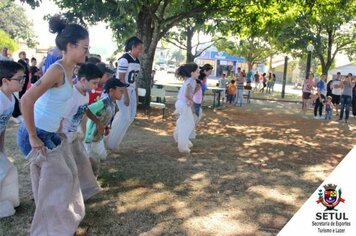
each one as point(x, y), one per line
point(344, 70)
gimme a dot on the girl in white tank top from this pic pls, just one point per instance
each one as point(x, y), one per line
point(53, 171)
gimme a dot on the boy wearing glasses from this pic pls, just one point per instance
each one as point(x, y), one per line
point(11, 80)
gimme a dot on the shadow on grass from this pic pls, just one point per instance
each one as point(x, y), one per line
point(248, 173)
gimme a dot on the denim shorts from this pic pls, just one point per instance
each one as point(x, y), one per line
point(197, 108)
point(50, 140)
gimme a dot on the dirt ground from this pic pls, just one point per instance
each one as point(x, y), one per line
point(250, 170)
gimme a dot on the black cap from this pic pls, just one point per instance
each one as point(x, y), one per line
point(104, 68)
point(113, 84)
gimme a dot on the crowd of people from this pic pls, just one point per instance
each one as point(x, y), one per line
point(232, 89)
point(338, 95)
point(73, 110)
point(68, 109)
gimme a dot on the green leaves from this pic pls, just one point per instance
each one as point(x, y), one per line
point(14, 22)
point(254, 50)
point(7, 41)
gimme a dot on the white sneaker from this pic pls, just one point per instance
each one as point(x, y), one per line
point(316, 117)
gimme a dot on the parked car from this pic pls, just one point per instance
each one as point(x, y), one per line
point(156, 67)
point(163, 67)
point(171, 69)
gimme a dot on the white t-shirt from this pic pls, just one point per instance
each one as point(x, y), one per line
point(75, 109)
point(336, 91)
point(181, 94)
point(2, 58)
point(222, 82)
point(131, 67)
point(6, 109)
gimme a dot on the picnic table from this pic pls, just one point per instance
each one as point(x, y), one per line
point(216, 91)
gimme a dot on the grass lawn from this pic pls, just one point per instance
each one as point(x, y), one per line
point(277, 96)
point(250, 170)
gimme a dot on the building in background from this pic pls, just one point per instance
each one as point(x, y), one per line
point(344, 70)
point(221, 61)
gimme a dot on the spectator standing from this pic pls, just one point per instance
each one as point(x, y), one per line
point(222, 86)
point(321, 87)
point(308, 86)
point(336, 91)
point(34, 71)
point(4, 55)
point(231, 90)
point(354, 99)
point(274, 79)
point(22, 61)
point(346, 85)
point(240, 90)
point(257, 80)
point(264, 82)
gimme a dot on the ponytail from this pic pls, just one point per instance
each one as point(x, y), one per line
point(185, 71)
point(132, 42)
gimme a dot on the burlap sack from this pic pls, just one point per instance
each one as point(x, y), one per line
point(87, 180)
point(93, 158)
point(96, 150)
point(56, 190)
point(9, 187)
point(185, 126)
point(197, 119)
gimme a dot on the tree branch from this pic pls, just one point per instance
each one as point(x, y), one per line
point(176, 44)
point(163, 9)
point(198, 54)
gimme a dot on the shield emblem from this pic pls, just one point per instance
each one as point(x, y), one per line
point(330, 196)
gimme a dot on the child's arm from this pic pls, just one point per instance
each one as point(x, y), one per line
point(97, 122)
point(83, 124)
point(187, 94)
point(91, 128)
point(96, 107)
point(52, 78)
point(341, 84)
point(2, 141)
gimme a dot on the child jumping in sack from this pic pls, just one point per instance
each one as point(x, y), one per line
point(11, 80)
point(104, 110)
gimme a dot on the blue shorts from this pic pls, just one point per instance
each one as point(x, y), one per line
point(197, 109)
point(50, 140)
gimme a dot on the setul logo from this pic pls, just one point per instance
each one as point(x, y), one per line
point(330, 198)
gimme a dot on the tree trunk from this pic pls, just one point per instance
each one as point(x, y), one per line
point(329, 59)
point(250, 65)
point(327, 62)
point(270, 63)
point(148, 32)
point(190, 56)
point(324, 68)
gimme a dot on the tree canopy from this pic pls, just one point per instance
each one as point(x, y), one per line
point(15, 23)
point(329, 25)
point(255, 50)
point(7, 41)
point(286, 25)
point(149, 20)
point(183, 34)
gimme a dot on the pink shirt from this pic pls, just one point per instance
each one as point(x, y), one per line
point(198, 96)
point(308, 86)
